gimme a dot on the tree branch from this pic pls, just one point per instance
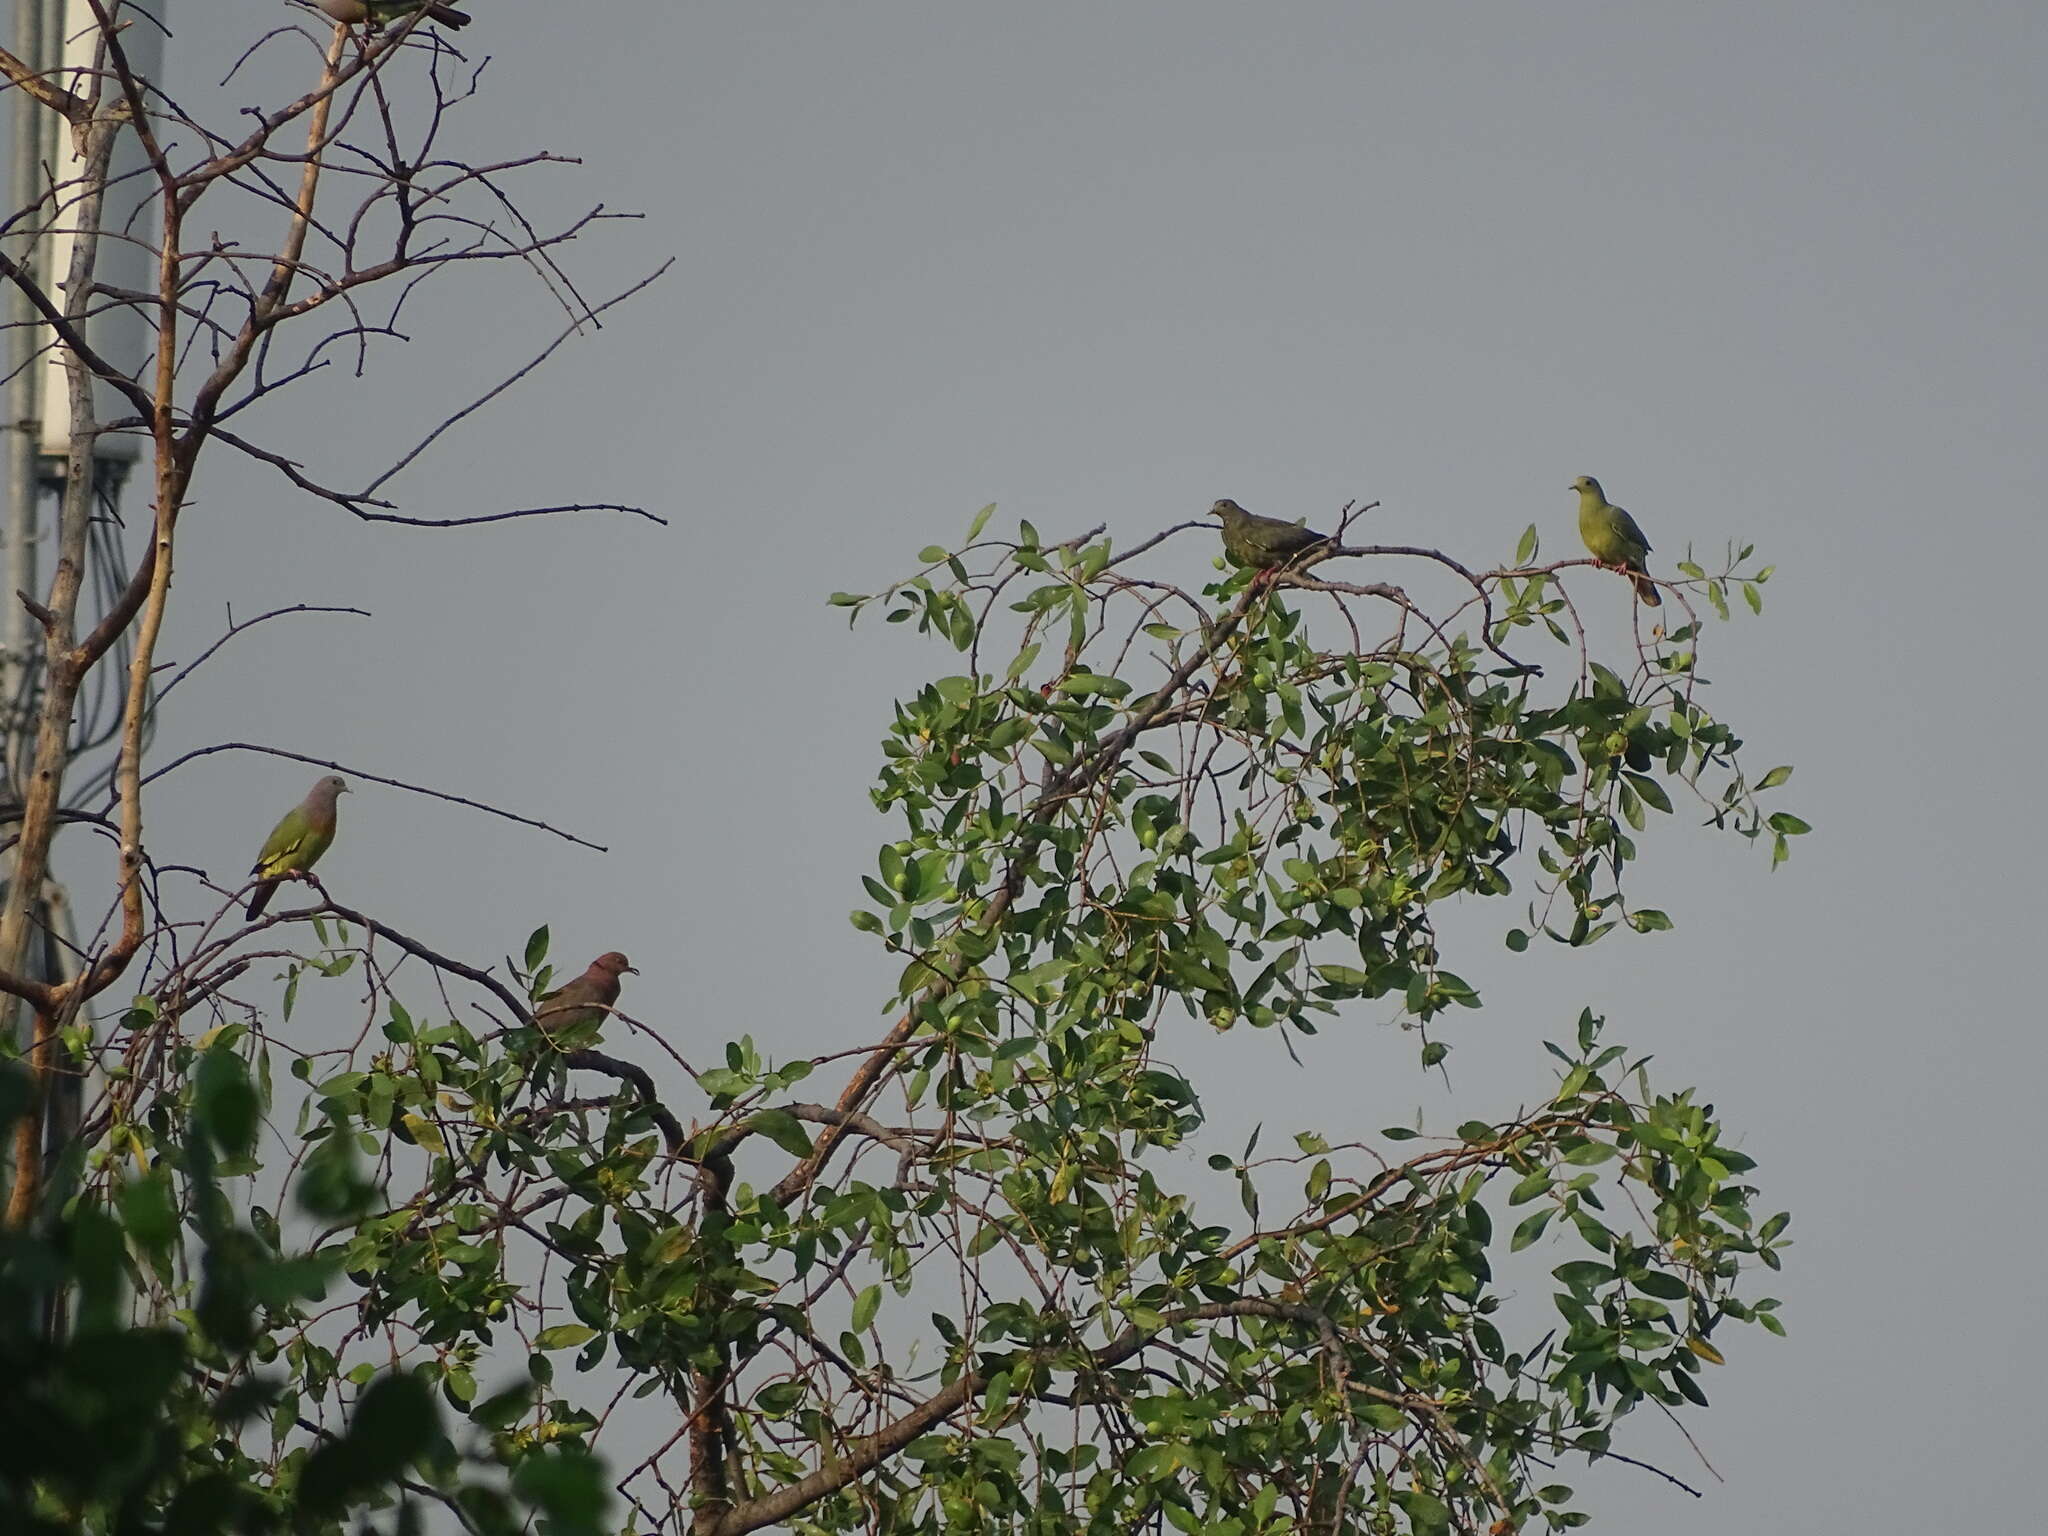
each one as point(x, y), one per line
point(373, 778)
point(864, 1453)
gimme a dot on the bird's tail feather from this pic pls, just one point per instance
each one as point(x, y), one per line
point(1646, 589)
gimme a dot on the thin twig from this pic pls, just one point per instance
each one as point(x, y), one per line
point(374, 778)
point(235, 629)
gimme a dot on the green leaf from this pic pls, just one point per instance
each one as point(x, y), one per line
point(865, 1306)
point(224, 1102)
point(501, 1410)
point(425, 1133)
point(1344, 976)
point(784, 1129)
point(1085, 685)
point(1666, 1287)
point(1773, 779)
point(1021, 662)
point(1651, 791)
point(1537, 1183)
point(1427, 1516)
point(329, 1185)
point(396, 1420)
point(570, 1486)
point(147, 1211)
point(1525, 551)
point(564, 1336)
point(536, 948)
point(1788, 825)
point(1318, 1181)
point(980, 522)
point(1582, 1275)
point(1531, 1228)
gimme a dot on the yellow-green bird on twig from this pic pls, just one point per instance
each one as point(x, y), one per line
point(1613, 537)
point(296, 843)
point(1262, 542)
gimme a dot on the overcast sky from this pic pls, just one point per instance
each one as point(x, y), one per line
point(1774, 273)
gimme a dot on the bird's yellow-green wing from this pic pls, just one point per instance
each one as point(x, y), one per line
point(294, 843)
point(1610, 533)
point(1626, 526)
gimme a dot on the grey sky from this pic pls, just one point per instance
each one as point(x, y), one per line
point(1773, 273)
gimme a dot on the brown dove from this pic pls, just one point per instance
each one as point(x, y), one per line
point(586, 999)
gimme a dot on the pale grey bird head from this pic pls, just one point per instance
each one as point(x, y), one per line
point(326, 790)
point(1587, 484)
point(1227, 509)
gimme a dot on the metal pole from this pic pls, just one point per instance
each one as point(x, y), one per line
point(23, 424)
point(32, 45)
point(18, 545)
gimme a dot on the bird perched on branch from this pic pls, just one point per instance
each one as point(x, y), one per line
point(296, 842)
point(1613, 537)
point(1262, 542)
point(585, 1000)
point(377, 12)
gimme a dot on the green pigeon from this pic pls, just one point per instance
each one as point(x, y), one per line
point(586, 999)
point(1262, 542)
point(355, 12)
point(297, 841)
point(1613, 537)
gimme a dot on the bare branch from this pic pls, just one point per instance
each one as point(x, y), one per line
point(235, 629)
point(374, 778)
point(567, 332)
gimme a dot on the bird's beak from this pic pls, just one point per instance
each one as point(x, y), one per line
point(632, 970)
